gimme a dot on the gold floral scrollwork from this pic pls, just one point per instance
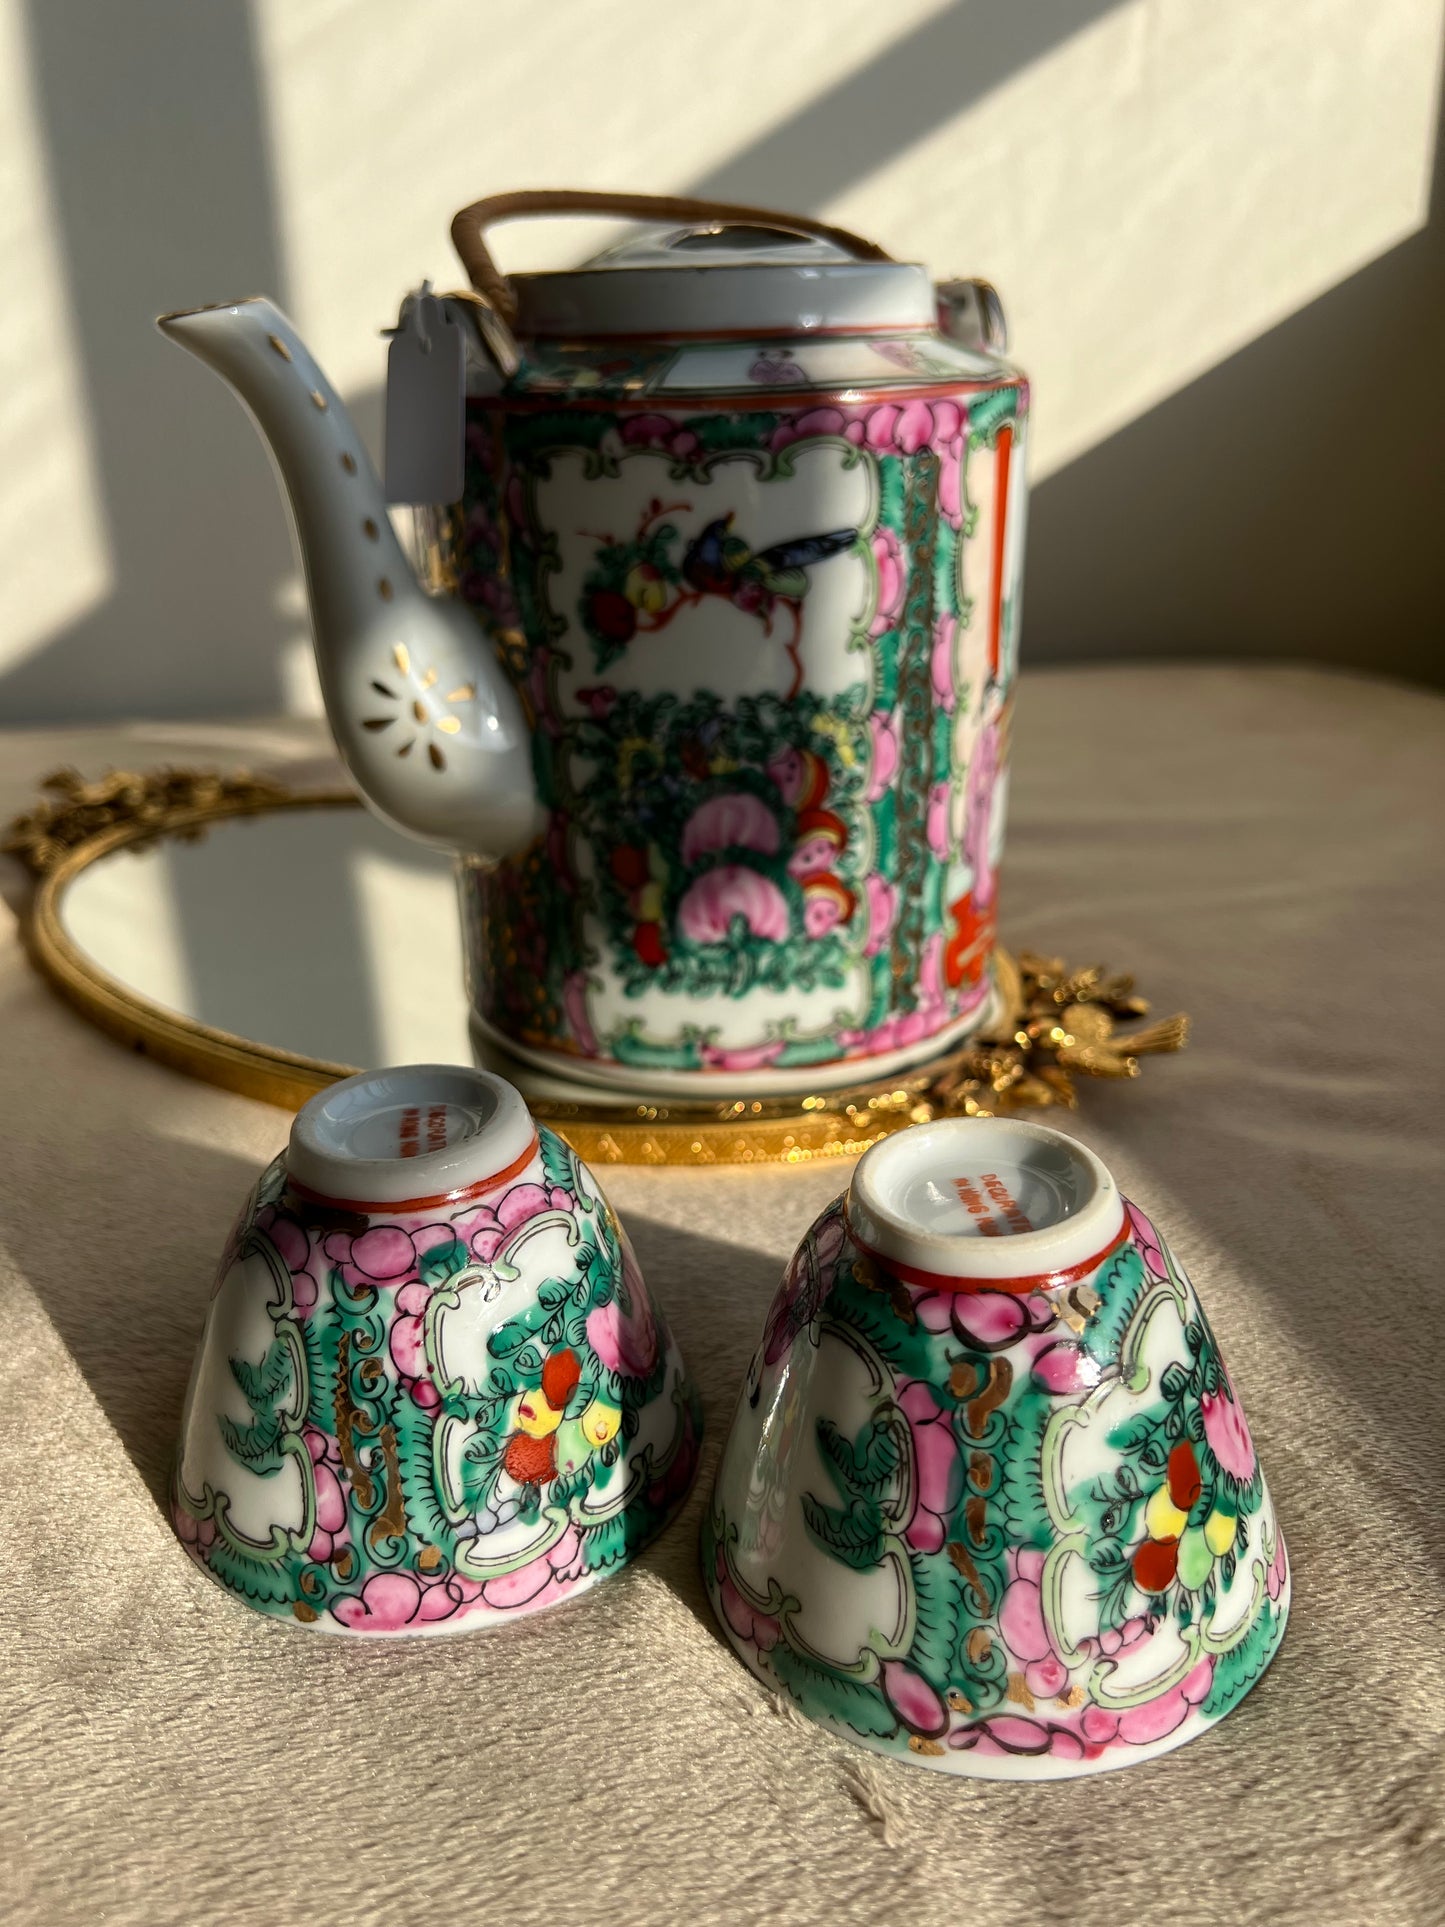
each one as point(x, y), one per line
point(161, 802)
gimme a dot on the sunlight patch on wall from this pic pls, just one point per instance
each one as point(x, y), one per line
point(1169, 184)
point(47, 474)
point(381, 131)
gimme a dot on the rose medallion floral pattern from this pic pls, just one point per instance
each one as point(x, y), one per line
point(767, 653)
point(1037, 1519)
point(398, 1432)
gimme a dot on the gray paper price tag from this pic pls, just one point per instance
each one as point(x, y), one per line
point(426, 403)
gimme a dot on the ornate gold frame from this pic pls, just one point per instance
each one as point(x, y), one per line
point(1053, 1023)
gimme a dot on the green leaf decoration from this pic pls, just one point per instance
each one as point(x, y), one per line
point(853, 1535)
point(1137, 1432)
point(443, 1261)
point(868, 1464)
point(987, 413)
point(415, 1432)
point(354, 1304)
point(257, 1445)
point(267, 1582)
point(318, 1341)
point(616, 1538)
point(936, 1627)
point(822, 1692)
point(557, 1163)
point(1237, 1670)
point(907, 1348)
point(570, 1486)
point(1025, 1512)
point(265, 1382)
point(509, 1338)
point(1122, 1285)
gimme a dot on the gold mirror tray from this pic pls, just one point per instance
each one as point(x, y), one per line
point(1050, 1025)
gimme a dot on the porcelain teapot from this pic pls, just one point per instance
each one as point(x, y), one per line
point(708, 679)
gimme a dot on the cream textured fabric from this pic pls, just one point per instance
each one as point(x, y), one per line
point(1264, 848)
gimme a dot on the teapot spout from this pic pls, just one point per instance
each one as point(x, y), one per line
point(422, 711)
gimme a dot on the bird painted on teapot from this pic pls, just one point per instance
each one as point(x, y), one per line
point(709, 688)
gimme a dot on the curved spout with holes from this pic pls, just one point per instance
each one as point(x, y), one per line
point(423, 714)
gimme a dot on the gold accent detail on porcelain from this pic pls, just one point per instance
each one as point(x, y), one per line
point(390, 1522)
point(422, 711)
point(348, 461)
point(279, 346)
point(318, 400)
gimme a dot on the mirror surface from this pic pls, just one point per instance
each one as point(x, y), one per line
point(313, 930)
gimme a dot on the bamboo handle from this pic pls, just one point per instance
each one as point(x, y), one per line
point(469, 229)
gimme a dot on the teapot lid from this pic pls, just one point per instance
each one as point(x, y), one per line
point(713, 277)
point(703, 267)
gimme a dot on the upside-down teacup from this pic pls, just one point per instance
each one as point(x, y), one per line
point(989, 1501)
point(433, 1390)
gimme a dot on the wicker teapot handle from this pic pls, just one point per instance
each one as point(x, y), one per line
point(469, 229)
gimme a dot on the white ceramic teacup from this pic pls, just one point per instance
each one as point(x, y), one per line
point(989, 1500)
point(432, 1390)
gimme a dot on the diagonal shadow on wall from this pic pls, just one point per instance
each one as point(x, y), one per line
point(1289, 503)
point(921, 82)
point(159, 170)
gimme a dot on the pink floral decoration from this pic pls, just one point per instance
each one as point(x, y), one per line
point(543, 1581)
point(1021, 1617)
point(1151, 1246)
point(758, 1629)
point(737, 821)
point(625, 1339)
point(945, 634)
point(930, 971)
point(883, 736)
point(940, 837)
point(709, 905)
point(809, 1279)
point(753, 1057)
point(1066, 1367)
point(913, 1699)
point(816, 421)
point(378, 1256)
point(389, 1602)
point(989, 1319)
point(574, 1003)
point(882, 901)
point(331, 1529)
point(892, 574)
point(1070, 1732)
point(196, 1535)
point(1278, 1572)
point(939, 1467)
point(983, 772)
point(1227, 1433)
point(661, 431)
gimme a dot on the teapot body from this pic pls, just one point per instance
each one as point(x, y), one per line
point(759, 598)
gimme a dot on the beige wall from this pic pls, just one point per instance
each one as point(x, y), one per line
point(1179, 199)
